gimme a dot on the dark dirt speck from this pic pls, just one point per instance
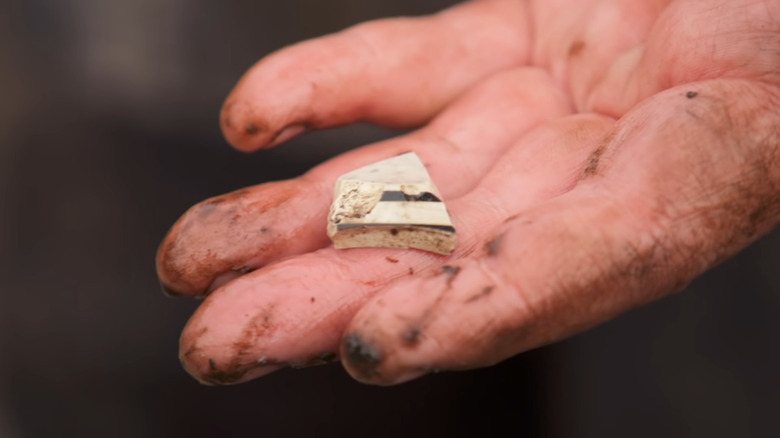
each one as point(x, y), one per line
point(362, 356)
point(451, 272)
point(487, 290)
point(411, 336)
point(251, 129)
point(576, 48)
point(493, 246)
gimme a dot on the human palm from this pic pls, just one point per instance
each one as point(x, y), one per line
point(594, 156)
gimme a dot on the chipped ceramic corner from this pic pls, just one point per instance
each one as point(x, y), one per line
point(393, 204)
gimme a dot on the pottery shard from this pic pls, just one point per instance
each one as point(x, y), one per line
point(392, 203)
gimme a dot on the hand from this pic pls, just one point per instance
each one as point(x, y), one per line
point(594, 155)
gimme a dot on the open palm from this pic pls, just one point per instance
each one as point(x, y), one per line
point(594, 156)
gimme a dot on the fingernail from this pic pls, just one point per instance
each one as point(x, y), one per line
point(169, 291)
point(286, 134)
point(362, 357)
point(234, 371)
point(223, 279)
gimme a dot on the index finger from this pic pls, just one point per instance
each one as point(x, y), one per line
point(396, 72)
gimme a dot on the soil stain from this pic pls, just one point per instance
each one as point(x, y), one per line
point(451, 272)
point(189, 270)
point(251, 129)
point(411, 336)
point(363, 357)
point(241, 360)
point(487, 290)
point(576, 48)
point(593, 161)
point(493, 246)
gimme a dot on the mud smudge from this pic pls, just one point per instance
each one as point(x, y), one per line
point(493, 246)
point(576, 48)
point(487, 290)
point(363, 357)
point(451, 272)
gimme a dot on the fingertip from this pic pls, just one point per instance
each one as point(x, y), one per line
point(169, 291)
point(381, 342)
point(247, 132)
point(242, 128)
point(172, 274)
point(206, 354)
point(371, 361)
point(225, 237)
point(175, 266)
point(362, 357)
point(272, 102)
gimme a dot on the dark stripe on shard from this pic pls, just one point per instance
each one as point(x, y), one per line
point(395, 196)
point(443, 228)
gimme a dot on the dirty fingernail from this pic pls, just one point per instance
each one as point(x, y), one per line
point(235, 372)
point(362, 357)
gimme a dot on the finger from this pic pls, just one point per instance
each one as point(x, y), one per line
point(578, 42)
point(230, 235)
point(294, 312)
point(395, 72)
point(679, 50)
point(680, 185)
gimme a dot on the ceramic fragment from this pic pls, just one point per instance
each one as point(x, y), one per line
point(392, 203)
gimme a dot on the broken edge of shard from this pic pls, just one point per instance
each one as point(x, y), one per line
point(392, 203)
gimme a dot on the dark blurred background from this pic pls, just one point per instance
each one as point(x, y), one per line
point(108, 131)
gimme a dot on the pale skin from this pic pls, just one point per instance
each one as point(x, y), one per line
point(594, 155)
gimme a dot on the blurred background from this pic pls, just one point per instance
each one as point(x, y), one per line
point(108, 132)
